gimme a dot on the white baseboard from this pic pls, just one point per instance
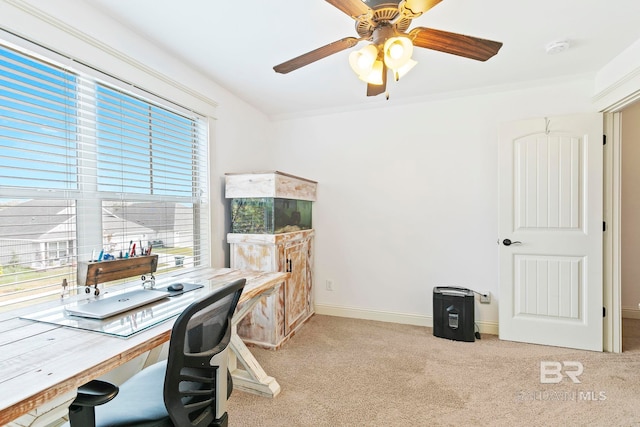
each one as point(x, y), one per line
point(387, 316)
point(630, 313)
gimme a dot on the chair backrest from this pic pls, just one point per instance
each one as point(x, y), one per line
point(195, 386)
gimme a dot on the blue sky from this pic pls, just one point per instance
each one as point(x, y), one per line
point(141, 148)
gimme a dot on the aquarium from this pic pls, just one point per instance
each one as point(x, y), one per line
point(269, 215)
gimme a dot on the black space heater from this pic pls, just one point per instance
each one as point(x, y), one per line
point(453, 315)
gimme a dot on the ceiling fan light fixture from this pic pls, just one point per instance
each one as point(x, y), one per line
point(362, 61)
point(384, 24)
point(397, 52)
point(400, 72)
point(374, 76)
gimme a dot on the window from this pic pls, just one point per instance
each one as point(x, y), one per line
point(89, 166)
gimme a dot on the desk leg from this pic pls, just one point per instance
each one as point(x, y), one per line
point(252, 379)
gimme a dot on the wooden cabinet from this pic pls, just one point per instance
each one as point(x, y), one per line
point(271, 231)
point(276, 318)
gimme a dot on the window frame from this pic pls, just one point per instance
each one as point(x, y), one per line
point(86, 196)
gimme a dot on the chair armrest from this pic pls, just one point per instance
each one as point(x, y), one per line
point(95, 393)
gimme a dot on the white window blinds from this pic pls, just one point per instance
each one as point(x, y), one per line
point(87, 166)
point(38, 106)
point(144, 149)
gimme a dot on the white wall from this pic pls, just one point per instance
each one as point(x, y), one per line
point(630, 239)
point(407, 197)
point(242, 142)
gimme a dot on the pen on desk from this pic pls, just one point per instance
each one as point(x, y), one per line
point(133, 250)
point(141, 248)
point(100, 256)
point(93, 255)
point(149, 250)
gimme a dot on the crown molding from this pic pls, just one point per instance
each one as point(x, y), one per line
point(620, 93)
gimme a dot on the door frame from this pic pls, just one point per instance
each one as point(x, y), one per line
point(618, 85)
point(612, 215)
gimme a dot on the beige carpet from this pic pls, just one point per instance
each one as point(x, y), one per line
point(345, 372)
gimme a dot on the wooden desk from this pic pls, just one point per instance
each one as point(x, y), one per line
point(40, 362)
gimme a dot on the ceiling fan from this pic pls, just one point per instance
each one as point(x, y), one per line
point(383, 23)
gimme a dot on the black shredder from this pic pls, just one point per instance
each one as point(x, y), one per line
point(453, 315)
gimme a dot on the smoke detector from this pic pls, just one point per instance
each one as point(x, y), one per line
point(557, 47)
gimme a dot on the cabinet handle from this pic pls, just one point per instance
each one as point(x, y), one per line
point(288, 267)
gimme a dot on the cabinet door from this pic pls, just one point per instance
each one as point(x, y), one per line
point(296, 300)
point(250, 256)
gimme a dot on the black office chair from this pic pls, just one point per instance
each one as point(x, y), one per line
point(190, 388)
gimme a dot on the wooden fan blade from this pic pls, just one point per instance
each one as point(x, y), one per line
point(314, 55)
point(353, 8)
point(420, 6)
point(454, 43)
point(373, 90)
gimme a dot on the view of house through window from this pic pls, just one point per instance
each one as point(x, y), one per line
point(88, 167)
point(37, 248)
point(165, 227)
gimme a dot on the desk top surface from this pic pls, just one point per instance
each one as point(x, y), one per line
point(40, 361)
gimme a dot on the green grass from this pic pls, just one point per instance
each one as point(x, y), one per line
point(174, 251)
point(11, 274)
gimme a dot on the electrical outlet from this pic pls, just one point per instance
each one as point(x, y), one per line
point(485, 298)
point(328, 284)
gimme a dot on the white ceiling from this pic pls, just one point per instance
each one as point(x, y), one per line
point(237, 43)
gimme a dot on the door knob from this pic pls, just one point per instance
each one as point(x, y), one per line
point(508, 242)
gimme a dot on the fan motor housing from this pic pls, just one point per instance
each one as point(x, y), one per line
point(383, 11)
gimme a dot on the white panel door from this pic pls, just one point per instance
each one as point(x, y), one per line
point(551, 231)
